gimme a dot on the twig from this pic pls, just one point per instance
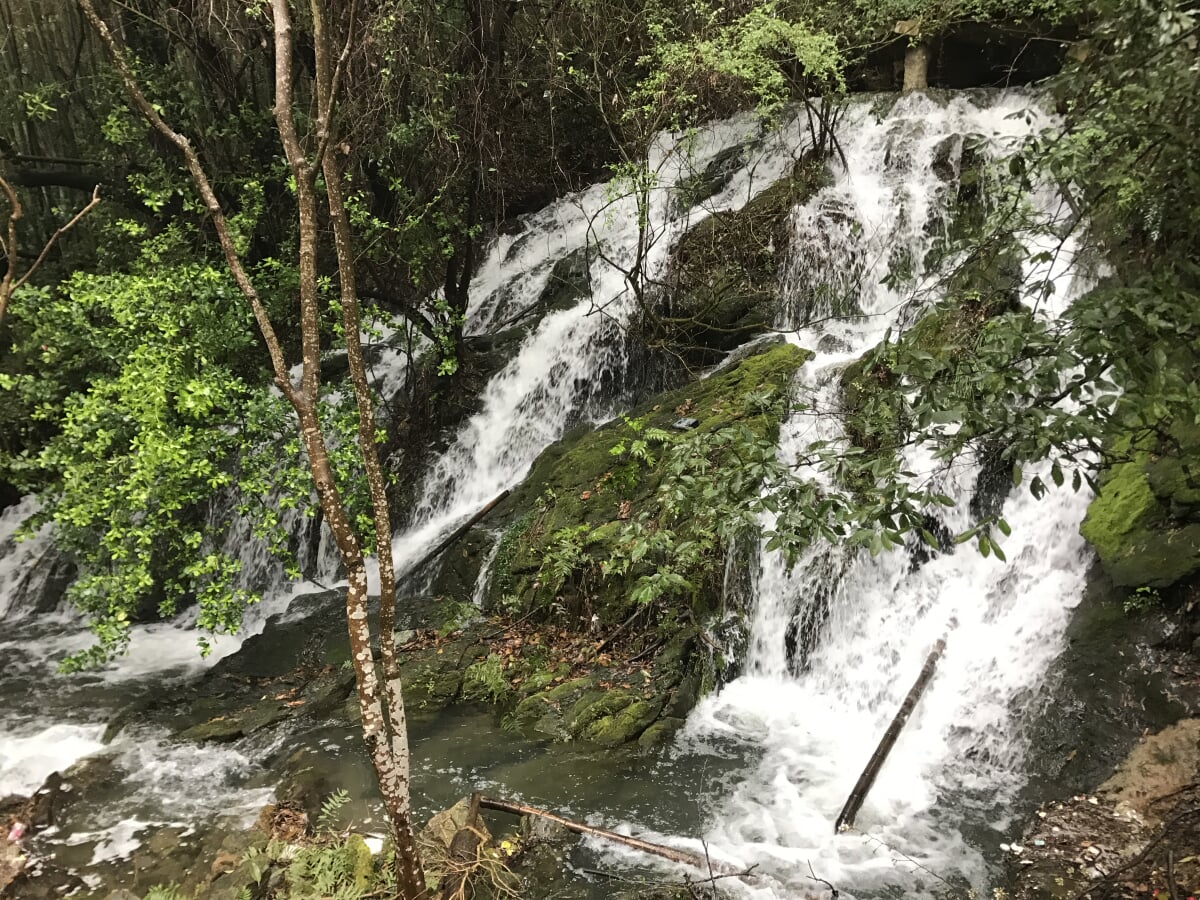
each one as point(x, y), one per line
point(833, 892)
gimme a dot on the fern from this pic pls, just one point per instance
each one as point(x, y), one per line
point(327, 818)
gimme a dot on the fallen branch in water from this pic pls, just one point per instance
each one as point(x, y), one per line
point(458, 532)
point(670, 853)
point(855, 801)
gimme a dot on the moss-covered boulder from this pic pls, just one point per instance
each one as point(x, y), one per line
point(617, 704)
point(1145, 522)
point(722, 286)
point(580, 491)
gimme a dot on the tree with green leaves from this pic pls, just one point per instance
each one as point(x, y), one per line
point(313, 154)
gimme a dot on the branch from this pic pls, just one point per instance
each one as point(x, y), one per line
point(10, 284)
point(200, 177)
point(54, 237)
point(10, 248)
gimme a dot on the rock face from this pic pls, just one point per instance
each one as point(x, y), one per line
point(722, 286)
point(1145, 522)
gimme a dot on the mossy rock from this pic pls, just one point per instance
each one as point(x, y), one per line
point(237, 724)
point(660, 732)
point(552, 713)
point(618, 717)
point(579, 482)
point(1143, 522)
point(722, 284)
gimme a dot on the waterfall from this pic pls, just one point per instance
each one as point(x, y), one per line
point(563, 371)
point(29, 568)
point(860, 627)
point(833, 643)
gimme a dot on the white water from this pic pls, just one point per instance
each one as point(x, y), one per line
point(24, 564)
point(809, 734)
point(568, 369)
point(959, 758)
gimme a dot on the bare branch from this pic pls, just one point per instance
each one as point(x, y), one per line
point(57, 234)
point(10, 247)
point(11, 283)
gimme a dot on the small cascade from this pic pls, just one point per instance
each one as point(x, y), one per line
point(32, 572)
point(573, 363)
point(836, 642)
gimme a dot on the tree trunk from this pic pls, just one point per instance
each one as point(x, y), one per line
point(916, 66)
point(384, 731)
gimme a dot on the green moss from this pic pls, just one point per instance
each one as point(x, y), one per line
point(237, 724)
point(1142, 523)
point(579, 481)
point(660, 732)
point(617, 718)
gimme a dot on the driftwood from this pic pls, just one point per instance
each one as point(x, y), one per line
point(678, 856)
point(458, 532)
point(871, 772)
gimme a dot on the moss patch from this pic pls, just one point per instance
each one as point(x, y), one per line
point(1145, 522)
point(580, 484)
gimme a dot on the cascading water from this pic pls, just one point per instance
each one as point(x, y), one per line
point(561, 374)
point(834, 644)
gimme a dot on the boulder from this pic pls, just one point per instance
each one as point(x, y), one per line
point(1145, 521)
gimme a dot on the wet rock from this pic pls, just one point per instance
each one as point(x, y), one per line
point(441, 828)
point(1145, 521)
point(660, 732)
point(33, 878)
point(1160, 766)
point(712, 179)
point(236, 724)
point(617, 718)
point(722, 286)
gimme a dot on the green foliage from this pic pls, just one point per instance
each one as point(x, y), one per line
point(486, 680)
point(133, 372)
point(331, 809)
point(706, 59)
point(142, 420)
point(344, 870)
point(1142, 600)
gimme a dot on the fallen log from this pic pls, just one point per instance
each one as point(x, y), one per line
point(458, 532)
point(678, 856)
point(871, 772)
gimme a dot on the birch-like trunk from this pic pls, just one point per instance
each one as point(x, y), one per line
point(384, 725)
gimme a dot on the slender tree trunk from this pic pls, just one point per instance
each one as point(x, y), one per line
point(388, 745)
point(384, 729)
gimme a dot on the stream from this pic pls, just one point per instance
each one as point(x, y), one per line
point(762, 767)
